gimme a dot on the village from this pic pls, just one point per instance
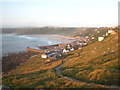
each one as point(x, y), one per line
point(54, 52)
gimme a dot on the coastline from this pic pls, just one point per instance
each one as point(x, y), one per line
point(6, 59)
point(59, 38)
point(53, 36)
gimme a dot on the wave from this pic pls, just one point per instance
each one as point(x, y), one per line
point(49, 42)
point(26, 37)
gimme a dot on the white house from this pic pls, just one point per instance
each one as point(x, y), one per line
point(93, 38)
point(43, 56)
point(87, 37)
point(68, 45)
point(111, 32)
point(68, 50)
point(72, 49)
point(100, 38)
point(106, 34)
point(84, 43)
point(64, 50)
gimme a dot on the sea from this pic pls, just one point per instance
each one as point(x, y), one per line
point(12, 43)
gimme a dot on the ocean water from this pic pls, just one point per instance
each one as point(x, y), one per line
point(15, 43)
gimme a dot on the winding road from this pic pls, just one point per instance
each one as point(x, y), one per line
point(58, 72)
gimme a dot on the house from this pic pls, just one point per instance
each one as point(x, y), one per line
point(64, 50)
point(106, 34)
point(87, 37)
point(85, 44)
point(98, 31)
point(72, 49)
point(81, 42)
point(112, 32)
point(43, 56)
point(100, 38)
point(68, 50)
point(93, 38)
point(68, 47)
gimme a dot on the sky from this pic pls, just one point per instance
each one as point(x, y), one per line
point(61, 13)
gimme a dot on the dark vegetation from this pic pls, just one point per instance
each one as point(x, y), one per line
point(41, 30)
point(15, 59)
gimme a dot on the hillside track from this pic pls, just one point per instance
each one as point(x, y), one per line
point(58, 72)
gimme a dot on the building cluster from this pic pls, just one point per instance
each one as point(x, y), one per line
point(108, 33)
point(56, 52)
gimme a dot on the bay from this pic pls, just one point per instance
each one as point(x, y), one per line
point(14, 43)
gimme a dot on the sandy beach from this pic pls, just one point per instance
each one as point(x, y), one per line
point(60, 38)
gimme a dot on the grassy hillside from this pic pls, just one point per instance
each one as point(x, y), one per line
point(90, 32)
point(97, 63)
point(36, 73)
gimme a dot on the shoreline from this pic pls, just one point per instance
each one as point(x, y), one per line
point(47, 35)
point(59, 38)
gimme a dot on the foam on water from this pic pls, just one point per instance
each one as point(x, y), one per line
point(49, 42)
point(26, 37)
point(15, 43)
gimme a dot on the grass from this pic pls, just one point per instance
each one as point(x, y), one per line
point(98, 63)
point(36, 73)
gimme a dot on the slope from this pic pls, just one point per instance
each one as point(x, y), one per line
point(98, 62)
point(36, 73)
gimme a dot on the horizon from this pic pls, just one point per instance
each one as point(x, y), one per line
point(60, 13)
point(60, 27)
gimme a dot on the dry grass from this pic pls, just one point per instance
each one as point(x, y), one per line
point(98, 65)
point(98, 62)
